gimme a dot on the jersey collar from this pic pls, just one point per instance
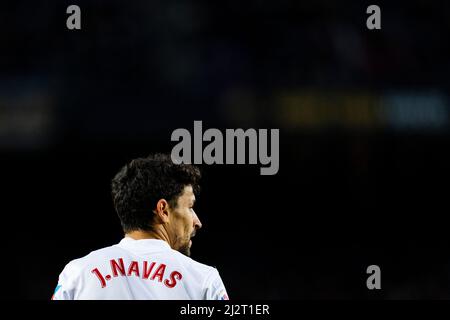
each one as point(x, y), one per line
point(144, 244)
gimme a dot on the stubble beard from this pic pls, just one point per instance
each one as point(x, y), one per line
point(185, 249)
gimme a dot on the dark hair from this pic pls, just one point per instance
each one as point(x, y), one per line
point(139, 185)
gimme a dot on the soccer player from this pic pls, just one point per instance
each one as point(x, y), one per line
point(154, 199)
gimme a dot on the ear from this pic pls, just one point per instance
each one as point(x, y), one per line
point(162, 210)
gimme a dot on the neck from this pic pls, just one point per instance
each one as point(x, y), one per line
point(159, 234)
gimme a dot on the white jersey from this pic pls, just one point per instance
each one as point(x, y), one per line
point(145, 269)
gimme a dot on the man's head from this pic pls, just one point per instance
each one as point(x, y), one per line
point(155, 195)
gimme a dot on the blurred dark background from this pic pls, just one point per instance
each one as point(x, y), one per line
point(364, 138)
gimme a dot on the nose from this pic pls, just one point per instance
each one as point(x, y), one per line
point(197, 223)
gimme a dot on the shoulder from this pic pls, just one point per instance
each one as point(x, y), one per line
point(76, 266)
point(189, 261)
point(202, 270)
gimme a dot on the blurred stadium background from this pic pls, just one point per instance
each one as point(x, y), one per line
point(364, 134)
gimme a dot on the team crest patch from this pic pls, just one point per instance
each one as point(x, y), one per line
point(224, 297)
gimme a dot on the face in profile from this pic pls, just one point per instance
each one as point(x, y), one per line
point(184, 222)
